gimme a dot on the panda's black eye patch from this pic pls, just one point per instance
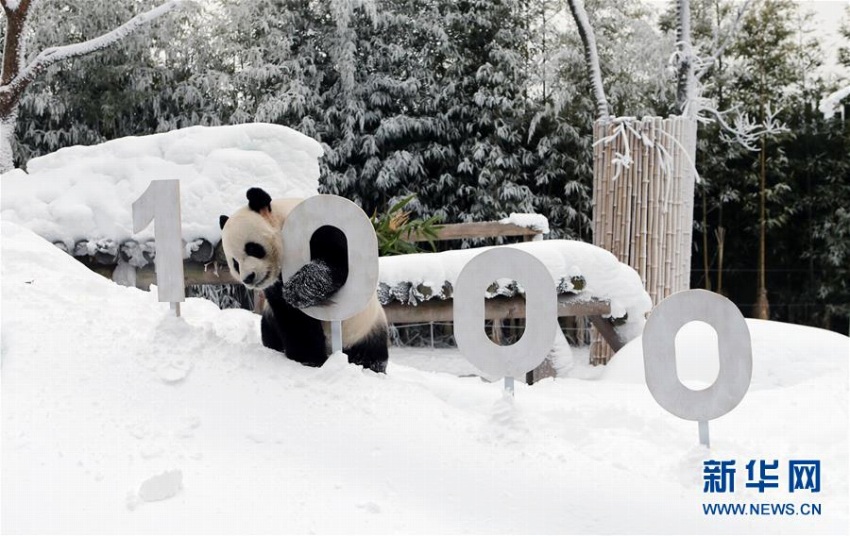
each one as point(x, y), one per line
point(235, 265)
point(254, 249)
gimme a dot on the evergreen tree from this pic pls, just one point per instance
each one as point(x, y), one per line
point(814, 252)
point(380, 124)
point(765, 50)
point(844, 30)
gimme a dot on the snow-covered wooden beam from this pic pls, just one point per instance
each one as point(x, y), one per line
point(498, 307)
point(463, 231)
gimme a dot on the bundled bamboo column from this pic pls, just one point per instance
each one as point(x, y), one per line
point(643, 196)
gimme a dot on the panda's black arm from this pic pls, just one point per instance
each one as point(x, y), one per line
point(311, 285)
point(315, 282)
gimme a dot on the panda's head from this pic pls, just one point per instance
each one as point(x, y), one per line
point(250, 238)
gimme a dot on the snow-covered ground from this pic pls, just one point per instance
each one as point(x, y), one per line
point(109, 403)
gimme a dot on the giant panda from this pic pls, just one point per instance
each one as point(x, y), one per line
point(251, 239)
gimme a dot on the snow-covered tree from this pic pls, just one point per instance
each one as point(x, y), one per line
point(766, 50)
point(379, 124)
point(21, 68)
point(163, 76)
point(832, 101)
point(844, 30)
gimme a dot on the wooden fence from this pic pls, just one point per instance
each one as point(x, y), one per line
point(643, 194)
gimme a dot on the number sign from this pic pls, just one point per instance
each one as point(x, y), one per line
point(160, 204)
point(330, 210)
point(541, 310)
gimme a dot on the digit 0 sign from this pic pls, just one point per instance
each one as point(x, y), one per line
point(329, 210)
point(734, 349)
point(541, 307)
point(160, 204)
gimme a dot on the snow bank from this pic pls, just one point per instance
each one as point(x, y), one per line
point(119, 418)
point(576, 267)
point(86, 193)
point(783, 355)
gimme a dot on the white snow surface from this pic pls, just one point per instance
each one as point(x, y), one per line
point(87, 192)
point(120, 418)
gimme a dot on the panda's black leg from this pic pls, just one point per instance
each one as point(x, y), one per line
point(308, 347)
point(371, 352)
point(306, 341)
point(271, 334)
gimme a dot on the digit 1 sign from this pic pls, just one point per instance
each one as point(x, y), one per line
point(734, 349)
point(161, 204)
point(334, 211)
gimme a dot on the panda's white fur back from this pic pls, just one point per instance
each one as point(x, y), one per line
point(361, 325)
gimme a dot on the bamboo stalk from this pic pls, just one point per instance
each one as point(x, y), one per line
point(644, 203)
point(675, 242)
point(657, 199)
point(609, 205)
point(688, 196)
point(598, 159)
point(627, 209)
point(655, 213)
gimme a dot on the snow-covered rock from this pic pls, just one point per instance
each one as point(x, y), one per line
point(86, 192)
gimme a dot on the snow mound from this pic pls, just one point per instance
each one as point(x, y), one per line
point(783, 355)
point(86, 192)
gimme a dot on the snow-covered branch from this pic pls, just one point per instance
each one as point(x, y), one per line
point(52, 55)
point(14, 78)
point(720, 44)
point(829, 103)
point(686, 87)
point(588, 39)
point(743, 130)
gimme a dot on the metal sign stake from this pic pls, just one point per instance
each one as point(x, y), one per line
point(336, 336)
point(509, 385)
point(703, 434)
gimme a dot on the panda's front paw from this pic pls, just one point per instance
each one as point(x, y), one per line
point(311, 285)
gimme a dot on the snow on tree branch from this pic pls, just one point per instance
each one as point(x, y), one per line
point(14, 79)
point(591, 53)
point(686, 88)
point(743, 130)
point(52, 55)
point(626, 127)
point(829, 104)
point(720, 44)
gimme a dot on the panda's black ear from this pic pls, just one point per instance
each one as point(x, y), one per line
point(222, 220)
point(258, 199)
